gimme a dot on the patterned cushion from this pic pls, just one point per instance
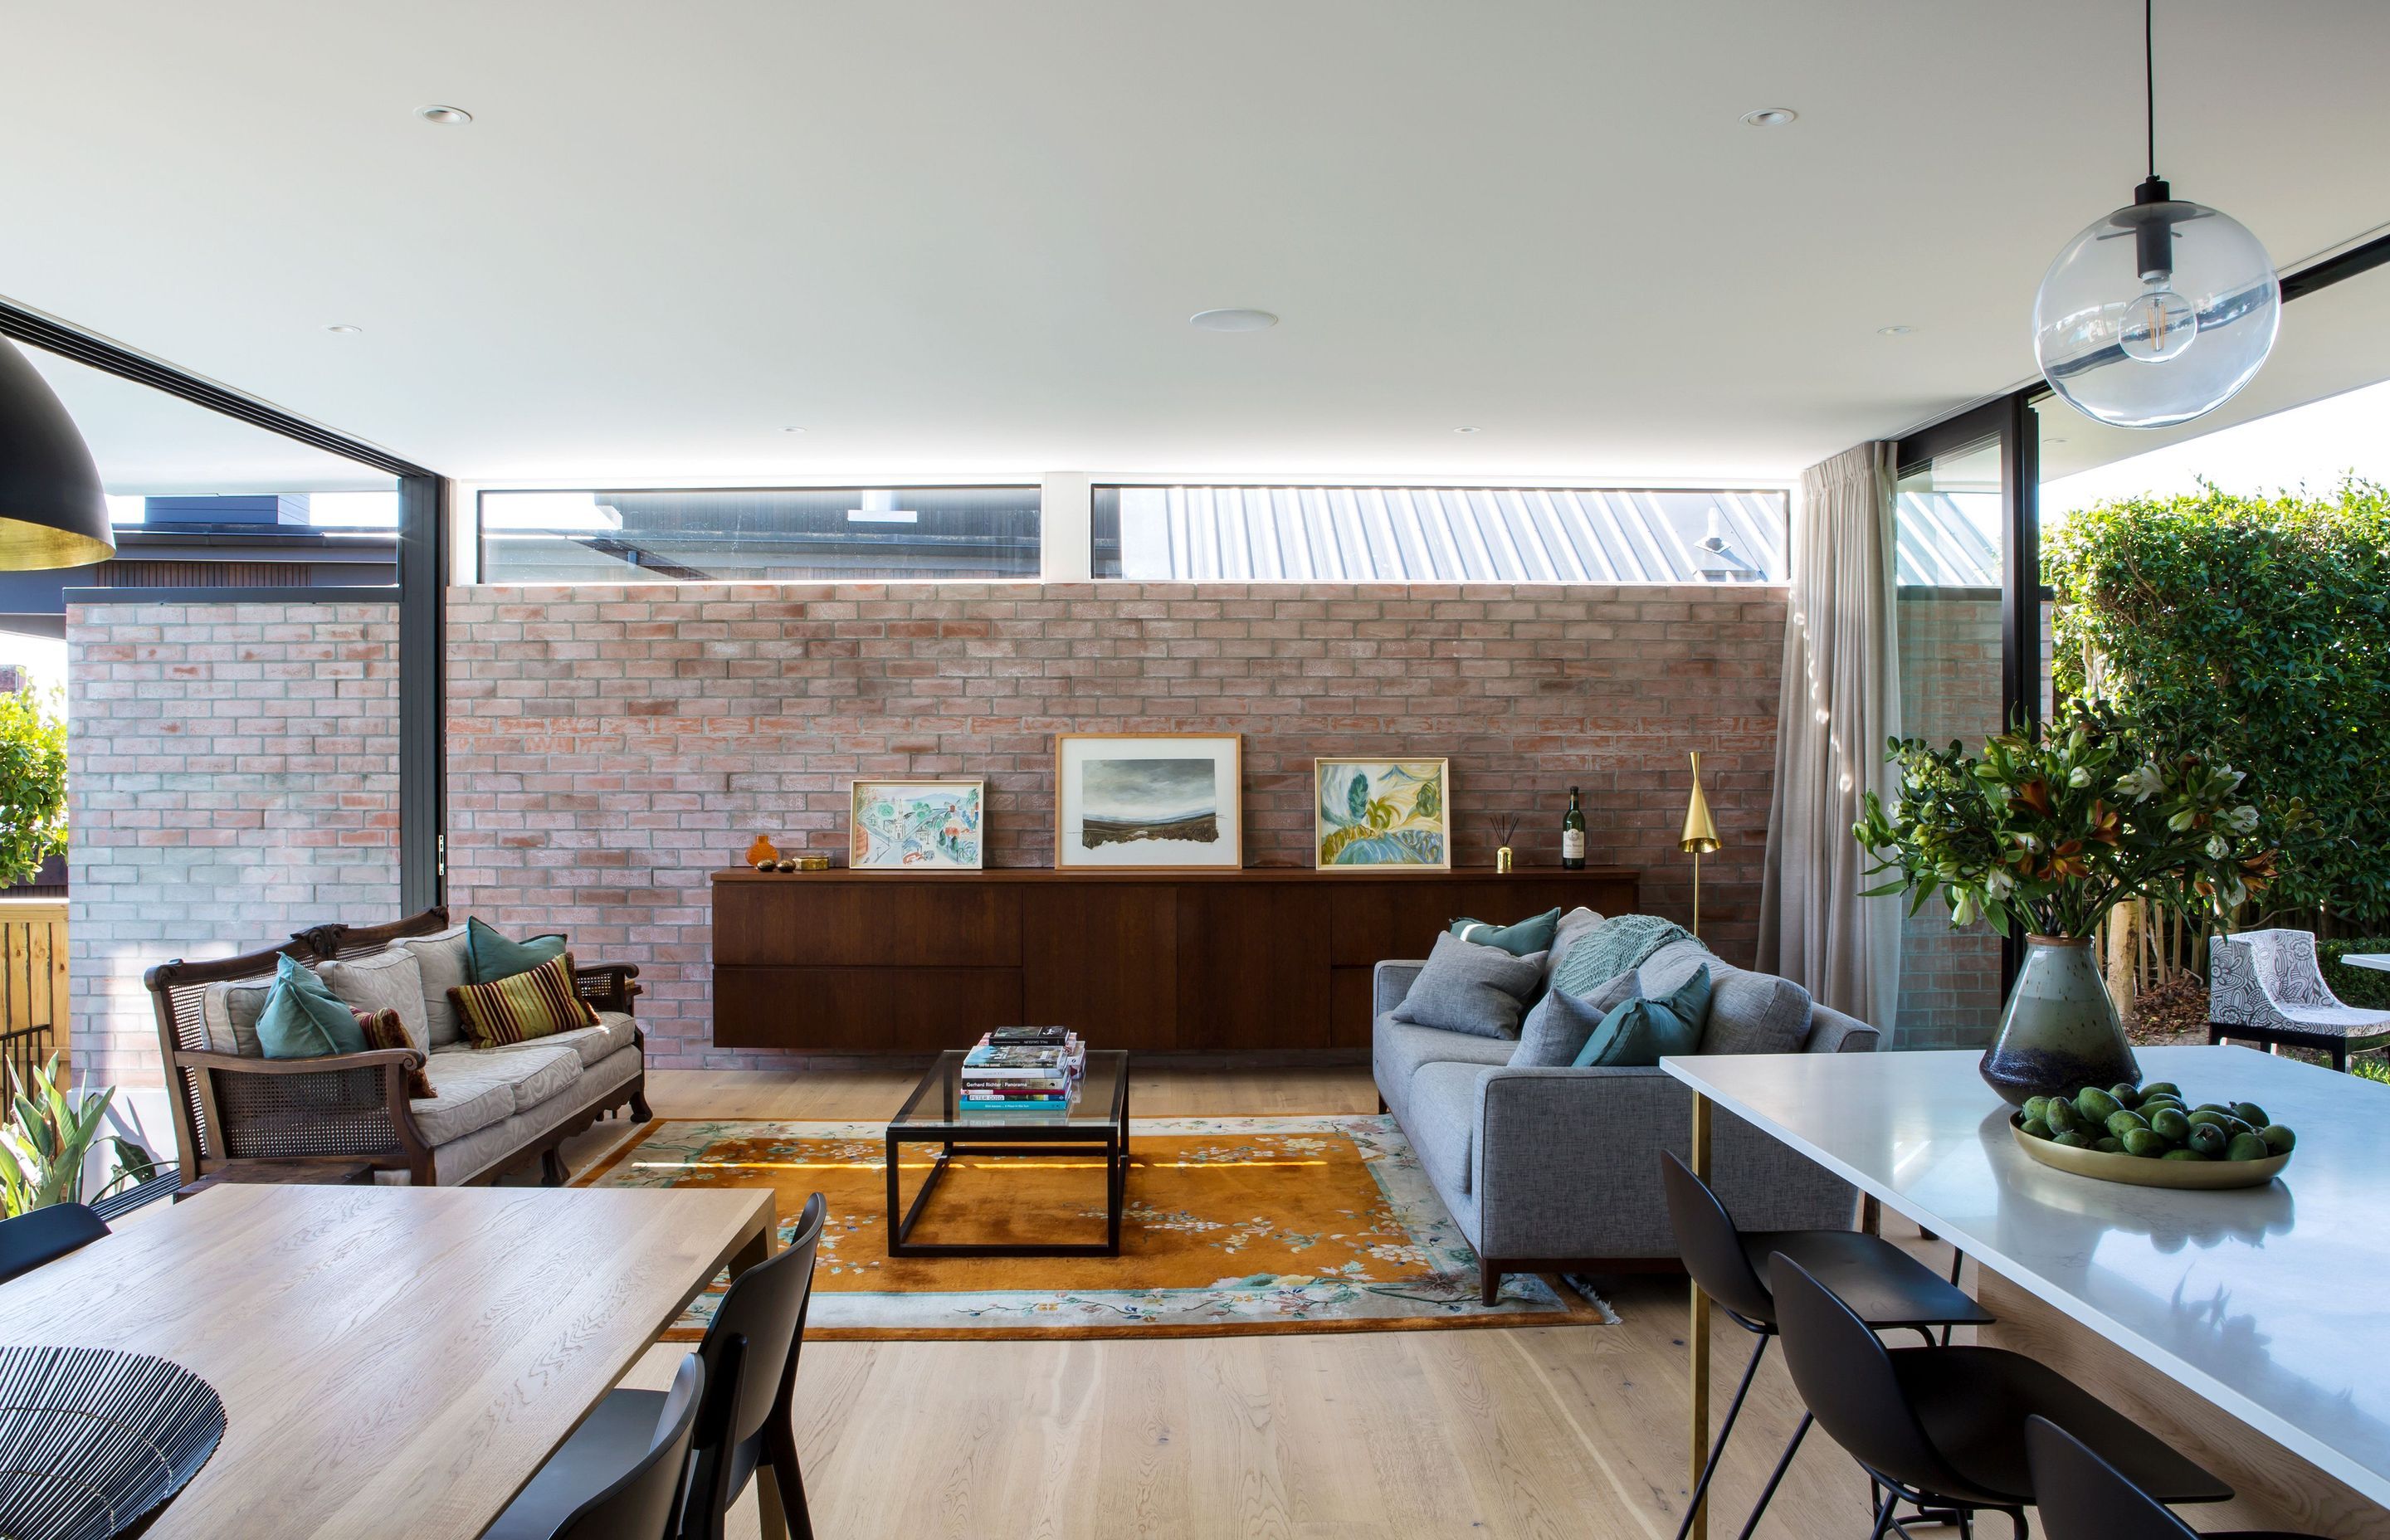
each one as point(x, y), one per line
point(447, 960)
point(229, 1010)
point(539, 1003)
point(383, 1029)
point(391, 980)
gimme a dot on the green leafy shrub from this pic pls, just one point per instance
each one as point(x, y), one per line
point(32, 784)
point(2256, 630)
point(2367, 988)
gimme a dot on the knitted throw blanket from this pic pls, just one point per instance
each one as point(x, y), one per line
point(1615, 946)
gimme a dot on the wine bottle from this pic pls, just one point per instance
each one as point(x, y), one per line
point(1573, 835)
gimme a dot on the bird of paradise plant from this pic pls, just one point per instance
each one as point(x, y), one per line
point(44, 1145)
point(2044, 834)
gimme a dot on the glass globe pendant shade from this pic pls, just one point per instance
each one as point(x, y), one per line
point(2157, 313)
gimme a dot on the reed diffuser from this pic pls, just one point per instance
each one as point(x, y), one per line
point(1508, 823)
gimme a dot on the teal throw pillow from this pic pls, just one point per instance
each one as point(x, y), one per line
point(1639, 1032)
point(489, 957)
point(1522, 940)
point(302, 1018)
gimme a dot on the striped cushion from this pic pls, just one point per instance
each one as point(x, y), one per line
point(385, 1028)
point(540, 1003)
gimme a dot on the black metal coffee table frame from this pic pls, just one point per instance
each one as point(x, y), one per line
point(1004, 1136)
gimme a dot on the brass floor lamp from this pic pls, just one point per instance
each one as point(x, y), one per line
point(1700, 836)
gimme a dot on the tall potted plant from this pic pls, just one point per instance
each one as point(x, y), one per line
point(2043, 835)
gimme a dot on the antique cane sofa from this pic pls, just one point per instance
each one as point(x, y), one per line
point(495, 1107)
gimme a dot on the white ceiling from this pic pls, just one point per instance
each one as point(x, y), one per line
point(951, 237)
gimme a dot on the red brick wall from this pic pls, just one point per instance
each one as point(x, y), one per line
point(610, 746)
point(232, 775)
point(1949, 689)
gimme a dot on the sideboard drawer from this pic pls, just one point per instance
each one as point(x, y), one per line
point(793, 922)
point(862, 1009)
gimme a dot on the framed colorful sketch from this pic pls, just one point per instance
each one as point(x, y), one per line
point(917, 826)
point(1160, 801)
point(1371, 814)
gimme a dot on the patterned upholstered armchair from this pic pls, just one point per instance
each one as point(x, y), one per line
point(2264, 986)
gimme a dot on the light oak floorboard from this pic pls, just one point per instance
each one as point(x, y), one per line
point(1563, 1431)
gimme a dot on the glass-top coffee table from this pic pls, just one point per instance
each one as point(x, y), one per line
point(1097, 1114)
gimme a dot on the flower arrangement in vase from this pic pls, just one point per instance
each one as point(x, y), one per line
point(2043, 835)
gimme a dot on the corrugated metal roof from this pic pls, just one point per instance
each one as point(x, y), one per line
point(1438, 534)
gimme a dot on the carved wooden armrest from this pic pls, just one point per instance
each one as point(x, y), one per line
point(607, 986)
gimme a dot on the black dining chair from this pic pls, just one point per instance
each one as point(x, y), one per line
point(745, 1422)
point(1890, 1289)
point(645, 1503)
point(1944, 1426)
point(38, 1236)
point(2083, 1498)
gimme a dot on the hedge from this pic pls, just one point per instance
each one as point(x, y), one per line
point(2258, 630)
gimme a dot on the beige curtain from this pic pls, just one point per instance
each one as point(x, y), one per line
point(1840, 701)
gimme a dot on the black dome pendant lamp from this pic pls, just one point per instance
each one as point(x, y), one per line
point(52, 511)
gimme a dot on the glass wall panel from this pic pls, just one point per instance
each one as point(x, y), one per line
point(1949, 539)
point(760, 535)
point(1437, 534)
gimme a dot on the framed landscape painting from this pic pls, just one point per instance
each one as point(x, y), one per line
point(917, 826)
point(1159, 801)
point(1371, 814)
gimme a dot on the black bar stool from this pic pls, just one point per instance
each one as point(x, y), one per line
point(1944, 1426)
point(2083, 1498)
point(1889, 1287)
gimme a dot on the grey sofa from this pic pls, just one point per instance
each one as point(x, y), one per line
point(1558, 1170)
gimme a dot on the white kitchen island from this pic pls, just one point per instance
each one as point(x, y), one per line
point(2264, 1304)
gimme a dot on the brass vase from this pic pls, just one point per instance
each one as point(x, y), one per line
point(1502, 860)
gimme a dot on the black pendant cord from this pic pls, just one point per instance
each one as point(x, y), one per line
point(2150, 79)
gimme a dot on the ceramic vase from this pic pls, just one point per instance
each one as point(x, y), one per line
point(2060, 1031)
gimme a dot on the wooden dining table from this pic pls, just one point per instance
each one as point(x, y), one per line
point(393, 1361)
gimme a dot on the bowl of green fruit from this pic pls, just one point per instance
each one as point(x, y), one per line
point(2149, 1136)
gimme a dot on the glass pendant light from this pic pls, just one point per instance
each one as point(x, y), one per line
point(52, 512)
point(2160, 311)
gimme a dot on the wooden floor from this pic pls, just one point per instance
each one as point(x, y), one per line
point(1562, 1431)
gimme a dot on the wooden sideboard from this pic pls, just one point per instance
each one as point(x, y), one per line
point(900, 962)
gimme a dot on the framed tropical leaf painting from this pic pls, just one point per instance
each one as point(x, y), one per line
point(1371, 814)
point(917, 826)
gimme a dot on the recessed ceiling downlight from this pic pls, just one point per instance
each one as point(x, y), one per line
point(1469, 430)
point(1894, 331)
point(439, 113)
point(344, 328)
point(1770, 117)
point(1232, 320)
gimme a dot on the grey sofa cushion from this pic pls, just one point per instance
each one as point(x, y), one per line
point(476, 1088)
point(472, 1092)
point(614, 1031)
point(1474, 989)
point(390, 979)
point(1748, 1012)
point(1443, 1122)
point(1397, 1049)
point(1557, 1029)
point(446, 963)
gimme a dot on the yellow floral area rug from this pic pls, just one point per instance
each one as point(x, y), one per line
point(1231, 1225)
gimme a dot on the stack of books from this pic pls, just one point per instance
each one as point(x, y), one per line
point(1022, 1070)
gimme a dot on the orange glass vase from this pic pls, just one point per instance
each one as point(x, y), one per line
point(760, 851)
